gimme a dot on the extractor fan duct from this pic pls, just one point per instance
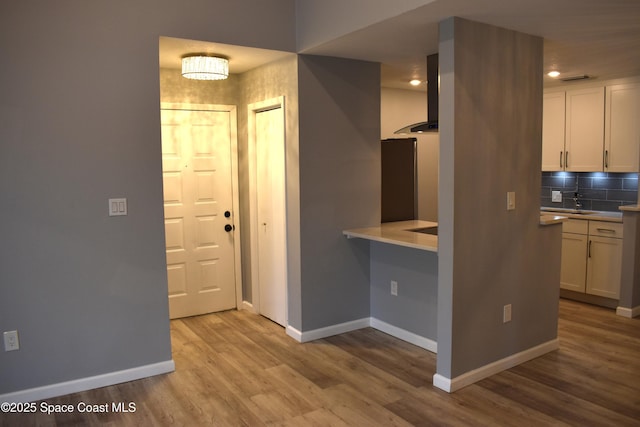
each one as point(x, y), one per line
point(433, 86)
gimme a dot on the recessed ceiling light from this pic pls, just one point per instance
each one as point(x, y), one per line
point(415, 82)
point(553, 74)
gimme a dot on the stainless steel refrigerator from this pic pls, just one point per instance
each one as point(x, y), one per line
point(399, 179)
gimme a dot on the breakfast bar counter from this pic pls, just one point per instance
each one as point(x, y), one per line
point(418, 234)
point(403, 271)
point(415, 234)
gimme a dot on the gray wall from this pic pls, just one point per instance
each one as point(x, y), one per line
point(325, 20)
point(630, 276)
point(339, 107)
point(415, 307)
point(80, 123)
point(490, 143)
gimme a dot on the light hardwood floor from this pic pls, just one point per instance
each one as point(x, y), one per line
point(235, 368)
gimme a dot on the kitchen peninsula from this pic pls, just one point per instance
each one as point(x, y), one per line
point(403, 269)
point(404, 258)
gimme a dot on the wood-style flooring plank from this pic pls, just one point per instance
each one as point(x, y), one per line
point(319, 418)
point(383, 351)
point(235, 368)
point(563, 407)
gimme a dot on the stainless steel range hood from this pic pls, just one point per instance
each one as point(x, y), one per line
point(433, 86)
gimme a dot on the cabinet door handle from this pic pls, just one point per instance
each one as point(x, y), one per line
point(566, 159)
point(605, 230)
point(606, 159)
point(589, 250)
point(561, 159)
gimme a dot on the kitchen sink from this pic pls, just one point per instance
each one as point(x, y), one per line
point(426, 230)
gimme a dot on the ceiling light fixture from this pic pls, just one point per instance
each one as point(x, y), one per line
point(553, 74)
point(415, 82)
point(205, 67)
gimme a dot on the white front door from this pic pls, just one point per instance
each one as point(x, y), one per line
point(271, 216)
point(198, 205)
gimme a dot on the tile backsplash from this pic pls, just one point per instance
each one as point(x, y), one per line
point(599, 191)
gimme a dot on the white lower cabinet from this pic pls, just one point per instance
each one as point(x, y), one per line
point(591, 257)
point(573, 273)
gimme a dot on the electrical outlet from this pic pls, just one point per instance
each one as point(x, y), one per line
point(394, 288)
point(506, 313)
point(11, 341)
point(556, 196)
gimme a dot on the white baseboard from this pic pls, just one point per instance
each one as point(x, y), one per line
point(246, 305)
point(342, 328)
point(441, 382)
point(451, 385)
point(294, 333)
point(628, 312)
point(328, 331)
point(404, 335)
point(83, 384)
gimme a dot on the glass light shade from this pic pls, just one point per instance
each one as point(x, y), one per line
point(199, 67)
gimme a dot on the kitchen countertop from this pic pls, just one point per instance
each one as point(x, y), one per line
point(583, 214)
point(550, 219)
point(396, 233)
point(630, 208)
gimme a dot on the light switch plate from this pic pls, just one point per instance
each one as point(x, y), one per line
point(506, 313)
point(556, 196)
point(117, 207)
point(511, 200)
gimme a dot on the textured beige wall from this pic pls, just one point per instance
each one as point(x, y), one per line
point(175, 88)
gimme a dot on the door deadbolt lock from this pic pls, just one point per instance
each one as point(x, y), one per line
point(227, 214)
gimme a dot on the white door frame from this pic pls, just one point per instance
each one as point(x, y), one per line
point(233, 137)
point(252, 110)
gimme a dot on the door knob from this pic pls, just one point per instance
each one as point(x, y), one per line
point(228, 228)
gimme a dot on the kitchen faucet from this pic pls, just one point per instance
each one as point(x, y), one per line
point(577, 204)
point(576, 196)
point(576, 200)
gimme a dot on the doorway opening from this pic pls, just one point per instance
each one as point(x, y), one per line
point(200, 191)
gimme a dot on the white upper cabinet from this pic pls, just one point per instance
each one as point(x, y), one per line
point(622, 128)
point(584, 137)
point(553, 131)
point(573, 130)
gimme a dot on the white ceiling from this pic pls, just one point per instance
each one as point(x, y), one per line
point(600, 38)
